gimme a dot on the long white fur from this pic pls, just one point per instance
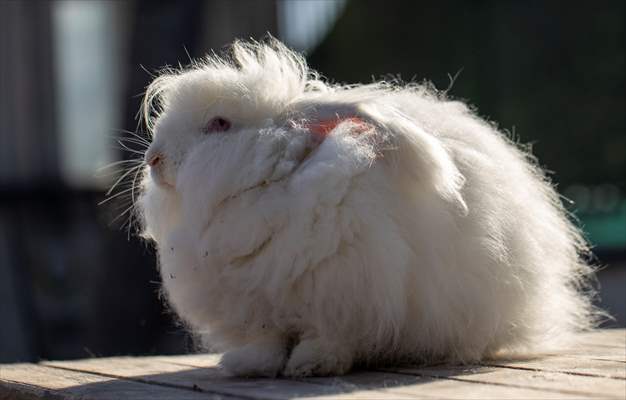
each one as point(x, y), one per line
point(427, 236)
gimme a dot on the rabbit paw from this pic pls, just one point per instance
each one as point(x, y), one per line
point(318, 357)
point(264, 358)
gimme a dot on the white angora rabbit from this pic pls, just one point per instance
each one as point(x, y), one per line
point(304, 227)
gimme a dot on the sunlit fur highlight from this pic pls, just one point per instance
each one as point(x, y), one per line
point(430, 236)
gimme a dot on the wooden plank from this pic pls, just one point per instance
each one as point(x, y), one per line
point(604, 337)
point(608, 344)
point(192, 360)
point(551, 365)
point(586, 386)
point(592, 353)
point(599, 353)
point(29, 381)
point(200, 371)
point(206, 377)
point(396, 385)
point(593, 368)
point(568, 365)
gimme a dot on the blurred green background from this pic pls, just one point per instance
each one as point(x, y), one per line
point(73, 284)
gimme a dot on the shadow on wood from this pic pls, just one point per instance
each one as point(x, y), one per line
point(596, 367)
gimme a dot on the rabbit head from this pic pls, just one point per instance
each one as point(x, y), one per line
point(215, 101)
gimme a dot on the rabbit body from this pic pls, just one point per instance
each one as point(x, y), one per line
point(411, 230)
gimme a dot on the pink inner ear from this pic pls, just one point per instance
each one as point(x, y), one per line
point(324, 127)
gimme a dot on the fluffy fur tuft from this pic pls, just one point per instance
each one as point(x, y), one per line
point(413, 230)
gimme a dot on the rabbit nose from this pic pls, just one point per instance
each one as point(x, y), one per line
point(154, 160)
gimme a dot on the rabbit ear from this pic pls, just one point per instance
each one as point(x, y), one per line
point(417, 154)
point(414, 152)
point(323, 127)
point(322, 119)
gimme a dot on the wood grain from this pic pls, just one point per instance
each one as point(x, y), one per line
point(28, 381)
point(594, 367)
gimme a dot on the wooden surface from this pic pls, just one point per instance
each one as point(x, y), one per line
point(594, 368)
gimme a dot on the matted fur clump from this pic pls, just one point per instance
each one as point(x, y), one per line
point(304, 227)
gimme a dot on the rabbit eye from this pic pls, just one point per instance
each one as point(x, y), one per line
point(217, 124)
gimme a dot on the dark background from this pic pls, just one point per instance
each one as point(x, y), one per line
point(74, 284)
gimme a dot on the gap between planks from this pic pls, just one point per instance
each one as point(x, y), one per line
point(559, 382)
point(555, 382)
point(594, 368)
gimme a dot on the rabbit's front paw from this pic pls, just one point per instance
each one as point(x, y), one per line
point(265, 358)
point(318, 357)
